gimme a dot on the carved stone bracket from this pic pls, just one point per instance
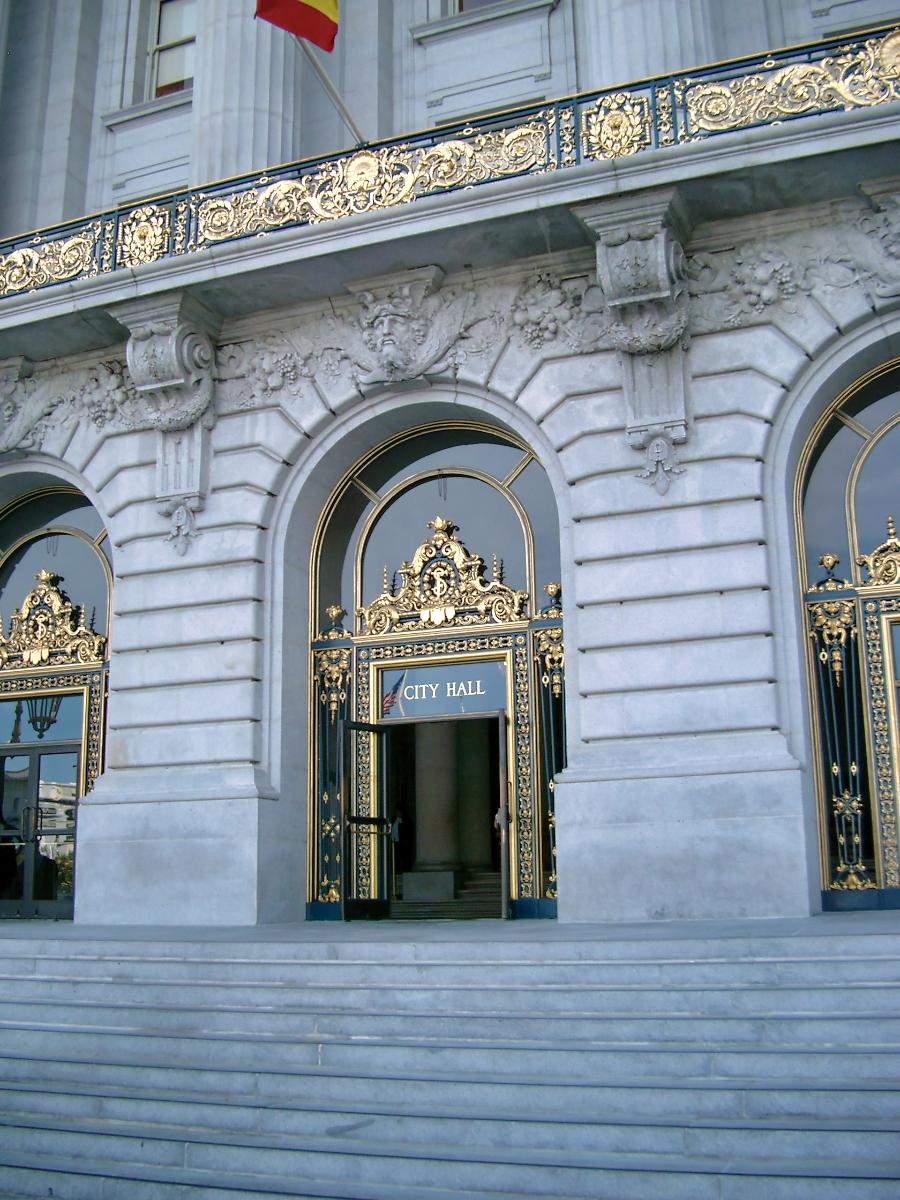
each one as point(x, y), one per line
point(640, 270)
point(171, 357)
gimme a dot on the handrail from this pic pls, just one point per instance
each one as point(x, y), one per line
point(660, 114)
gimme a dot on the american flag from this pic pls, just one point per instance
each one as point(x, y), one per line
point(389, 699)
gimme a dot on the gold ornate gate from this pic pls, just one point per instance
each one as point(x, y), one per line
point(854, 633)
point(441, 640)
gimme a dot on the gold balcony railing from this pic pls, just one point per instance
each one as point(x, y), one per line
point(655, 114)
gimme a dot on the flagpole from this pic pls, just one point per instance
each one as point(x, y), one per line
point(331, 91)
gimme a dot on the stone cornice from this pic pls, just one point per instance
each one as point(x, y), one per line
point(80, 305)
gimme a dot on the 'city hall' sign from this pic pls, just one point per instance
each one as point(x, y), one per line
point(443, 689)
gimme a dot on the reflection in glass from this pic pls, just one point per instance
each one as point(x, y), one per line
point(14, 793)
point(441, 449)
point(57, 806)
point(824, 519)
point(532, 487)
point(877, 488)
point(74, 560)
point(57, 507)
point(487, 522)
point(487, 525)
point(27, 720)
point(873, 412)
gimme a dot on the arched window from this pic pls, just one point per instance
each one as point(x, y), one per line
point(437, 659)
point(489, 483)
point(848, 501)
point(55, 583)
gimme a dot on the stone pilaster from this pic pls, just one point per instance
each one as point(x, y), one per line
point(246, 103)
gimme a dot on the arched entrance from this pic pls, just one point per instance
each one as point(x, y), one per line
point(52, 691)
point(438, 726)
point(847, 503)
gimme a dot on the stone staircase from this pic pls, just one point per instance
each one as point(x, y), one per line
point(478, 1060)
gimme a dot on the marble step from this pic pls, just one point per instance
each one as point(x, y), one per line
point(663, 1096)
point(534, 1171)
point(759, 1029)
point(328, 942)
point(525, 973)
point(65, 1179)
point(780, 1136)
point(503, 1057)
point(542, 1000)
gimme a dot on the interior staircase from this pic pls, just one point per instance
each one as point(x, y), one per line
point(477, 898)
point(478, 1059)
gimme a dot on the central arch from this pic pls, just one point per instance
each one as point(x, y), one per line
point(338, 524)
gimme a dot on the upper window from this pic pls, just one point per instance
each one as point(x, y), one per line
point(470, 5)
point(172, 67)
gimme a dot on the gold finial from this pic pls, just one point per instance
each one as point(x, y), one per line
point(334, 612)
point(444, 526)
point(891, 528)
point(829, 561)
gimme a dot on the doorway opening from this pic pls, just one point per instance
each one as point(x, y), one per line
point(443, 781)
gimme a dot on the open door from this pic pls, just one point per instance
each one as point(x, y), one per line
point(503, 814)
point(366, 861)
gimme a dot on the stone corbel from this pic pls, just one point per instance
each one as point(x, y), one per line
point(171, 357)
point(640, 270)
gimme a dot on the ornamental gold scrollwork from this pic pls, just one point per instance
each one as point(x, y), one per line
point(50, 262)
point(48, 630)
point(882, 739)
point(616, 126)
point(832, 621)
point(369, 180)
point(883, 564)
point(333, 676)
point(861, 77)
point(143, 236)
point(443, 584)
point(552, 657)
point(851, 873)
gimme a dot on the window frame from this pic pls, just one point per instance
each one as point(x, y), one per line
point(155, 48)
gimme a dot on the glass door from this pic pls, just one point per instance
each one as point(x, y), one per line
point(38, 810)
point(40, 784)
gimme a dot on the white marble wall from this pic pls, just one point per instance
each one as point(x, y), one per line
point(686, 793)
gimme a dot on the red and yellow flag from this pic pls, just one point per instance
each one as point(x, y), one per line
point(315, 20)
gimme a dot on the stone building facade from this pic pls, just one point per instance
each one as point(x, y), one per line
point(671, 327)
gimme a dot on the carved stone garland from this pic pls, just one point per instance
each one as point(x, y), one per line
point(48, 630)
point(442, 585)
